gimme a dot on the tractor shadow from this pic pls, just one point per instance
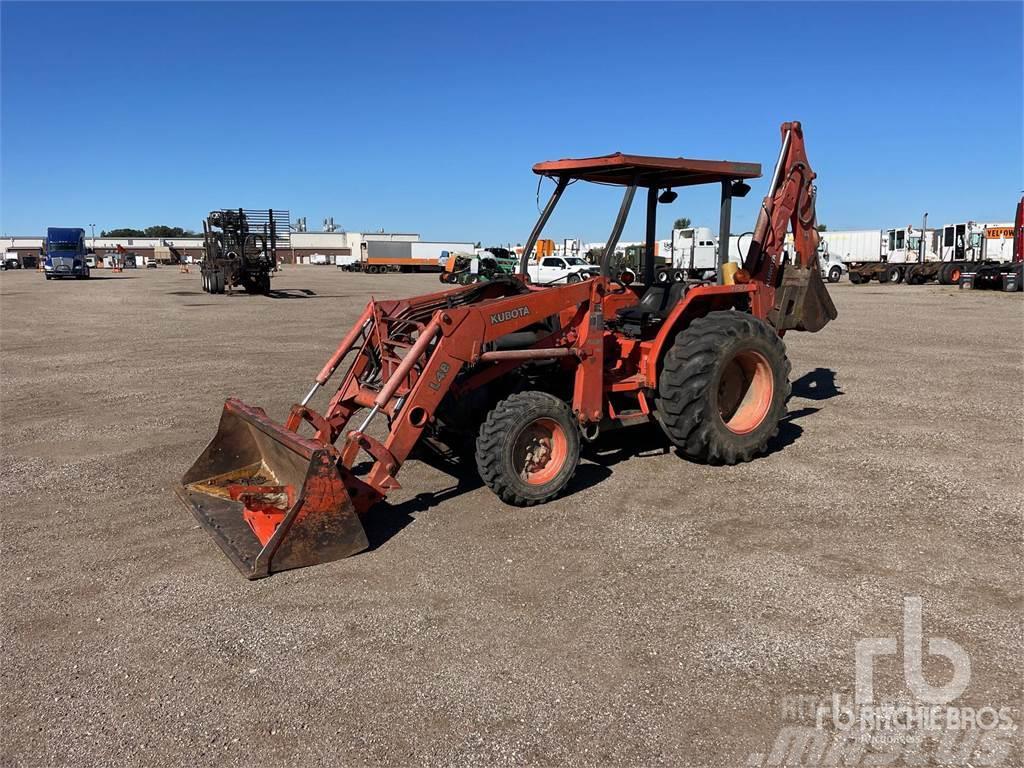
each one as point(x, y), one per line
point(462, 469)
point(819, 384)
point(292, 293)
point(599, 458)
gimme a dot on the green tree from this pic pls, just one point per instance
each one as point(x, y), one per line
point(681, 223)
point(122, 232)
point(159, 230)
point(162, 230)
point(821, 228)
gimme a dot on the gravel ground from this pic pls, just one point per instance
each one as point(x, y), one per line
point(660, 613)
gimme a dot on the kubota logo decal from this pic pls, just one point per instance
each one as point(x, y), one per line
point(509, 314)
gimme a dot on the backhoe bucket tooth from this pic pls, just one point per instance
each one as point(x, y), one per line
point(273, 499)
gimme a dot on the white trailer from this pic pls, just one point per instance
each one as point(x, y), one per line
point(853, 245)
point(438, 251)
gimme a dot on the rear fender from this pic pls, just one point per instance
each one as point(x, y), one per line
point(697, 303)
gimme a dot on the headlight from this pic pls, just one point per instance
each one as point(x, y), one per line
point(47, 267)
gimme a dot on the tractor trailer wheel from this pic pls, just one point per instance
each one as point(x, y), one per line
point(723, 388)
point(834, 274)
point(528, 448)
point(950, 273)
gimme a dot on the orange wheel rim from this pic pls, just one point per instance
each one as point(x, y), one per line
point(955, 275)
point(539, 451)
point(745, 391)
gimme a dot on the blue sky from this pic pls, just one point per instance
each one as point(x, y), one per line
point(427, 117)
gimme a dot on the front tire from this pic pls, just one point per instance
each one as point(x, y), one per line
point(573, 277)
point(528, 448)
point(723, 387)
point(834, 274)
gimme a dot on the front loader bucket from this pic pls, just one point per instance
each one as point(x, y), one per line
point(273, 499)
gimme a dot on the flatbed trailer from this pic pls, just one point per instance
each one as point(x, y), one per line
point(384, 256)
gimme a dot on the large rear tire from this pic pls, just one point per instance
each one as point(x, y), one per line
point(528, 448)
point(893, 275)
point(723, 388)
point(950, 273)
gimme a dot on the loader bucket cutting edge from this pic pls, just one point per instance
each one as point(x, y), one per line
point(273, 499)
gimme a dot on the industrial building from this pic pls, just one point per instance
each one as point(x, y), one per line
point(299, 247)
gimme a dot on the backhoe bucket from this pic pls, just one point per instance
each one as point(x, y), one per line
point(802, 301)
point(273, 499)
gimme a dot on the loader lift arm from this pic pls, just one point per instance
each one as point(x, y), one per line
point(524, 371)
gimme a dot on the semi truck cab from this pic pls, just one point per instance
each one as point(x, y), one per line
point(65, 253)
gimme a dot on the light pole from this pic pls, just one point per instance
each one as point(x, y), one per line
point(93, 227)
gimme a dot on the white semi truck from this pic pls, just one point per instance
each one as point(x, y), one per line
point(920, 255)
point(692, 255)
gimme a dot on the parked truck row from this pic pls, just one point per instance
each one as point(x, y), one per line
point(918, 255)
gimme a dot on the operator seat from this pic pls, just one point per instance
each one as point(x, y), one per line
point(654, 306)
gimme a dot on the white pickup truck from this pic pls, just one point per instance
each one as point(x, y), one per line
point(561, 269)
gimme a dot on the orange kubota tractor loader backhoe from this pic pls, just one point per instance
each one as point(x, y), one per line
point(523, 373)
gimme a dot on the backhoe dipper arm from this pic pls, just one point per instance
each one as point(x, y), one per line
point(791, 296)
